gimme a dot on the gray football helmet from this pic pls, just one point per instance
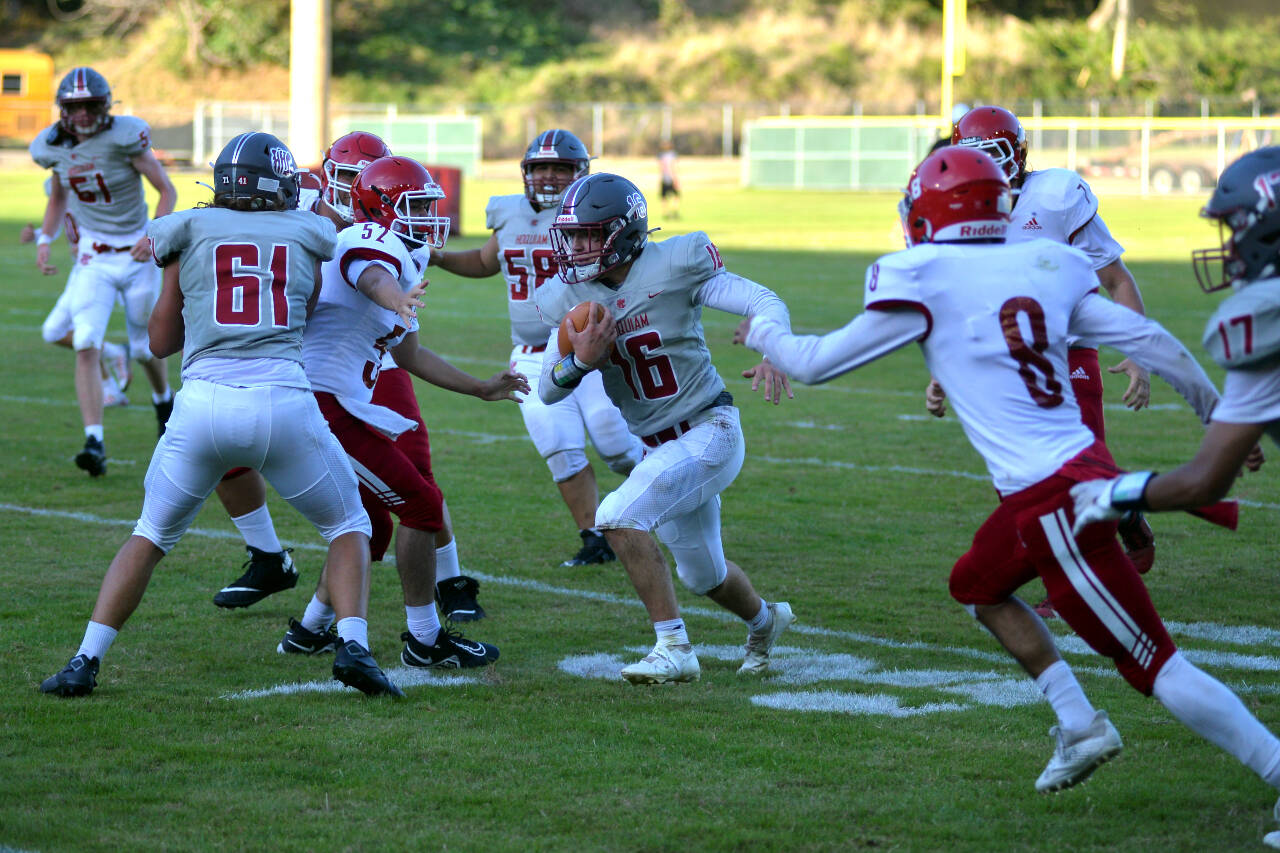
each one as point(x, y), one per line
point(602, 224)
point(82, 86)
point(1246, 205)
point(259, 167)
point(553, 146)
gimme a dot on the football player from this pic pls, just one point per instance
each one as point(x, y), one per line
point(239, 279)
point(1057, 204)
point(994, 322)
point(651, 352)
point(520, 248)
point(98, 161)
point(356, 322)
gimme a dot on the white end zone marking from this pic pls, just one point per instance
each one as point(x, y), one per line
point(403, 676)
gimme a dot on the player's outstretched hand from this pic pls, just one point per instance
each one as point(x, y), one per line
point(409, 302)
point(935, 399)
point(1138, 394)
point(1253, 462)
point(42, 260)
point(774, 380)
point(744, 329)
point(1093, 503)
point(504, 385)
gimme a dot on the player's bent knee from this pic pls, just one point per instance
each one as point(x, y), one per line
point(702, 577)
point(564, 464)
point(353, 523)
point(623, 463)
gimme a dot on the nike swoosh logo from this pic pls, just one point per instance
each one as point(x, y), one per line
point(474, 648)
point(651, 295)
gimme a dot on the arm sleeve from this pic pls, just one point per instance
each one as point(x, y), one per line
point(726, 291)
point(813, 359)
point(1147, 343)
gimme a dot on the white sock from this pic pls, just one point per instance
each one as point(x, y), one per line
point(354, 629)
point(93, 431)
point(258, 531)
point(671, 632)
point(423, 622)
point(1058, 684)
point(317, 617)
point(162, 396)
point(97, 639)
point(447, 565)
point(756, 624)
point(1207, 707)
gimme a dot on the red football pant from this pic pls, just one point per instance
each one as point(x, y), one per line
point(394, 389)
point(389, 479)
point(1086, 381)
point(1091, 583)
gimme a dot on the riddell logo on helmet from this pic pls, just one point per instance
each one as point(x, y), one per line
point(1265, 184)
point(986, 229)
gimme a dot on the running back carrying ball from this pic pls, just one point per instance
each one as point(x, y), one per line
point(578, 316)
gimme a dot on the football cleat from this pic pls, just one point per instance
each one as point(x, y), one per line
point(355, 667)
point(595, 549)
point(112, 396)
point(664, 664)
point(451, 651)
point(759, 645)
point(1079, 753)
point(163, 411)
point(1139, 541)
point(1272, 839)
point(93, 458)
point(457, 598)
point(77, 678)
point(265, 574)
point(301, 641)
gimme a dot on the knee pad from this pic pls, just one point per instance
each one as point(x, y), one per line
point(565, 463)
point(622, 464)
point(701, 577)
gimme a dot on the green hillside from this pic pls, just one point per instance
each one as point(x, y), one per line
point(815, 55)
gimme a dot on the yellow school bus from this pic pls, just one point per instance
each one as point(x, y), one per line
point(26, 94)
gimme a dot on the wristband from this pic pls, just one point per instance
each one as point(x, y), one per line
point(568, 372)
point(1129, 491)
point(43, 239)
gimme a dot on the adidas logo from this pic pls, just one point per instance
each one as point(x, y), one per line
point(1079, 373)
point(1032, 225)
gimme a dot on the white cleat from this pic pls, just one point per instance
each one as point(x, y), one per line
point(665, 663)
point(759, 645)
point(1272, 839)
point(1079, 753)
point(112, 394)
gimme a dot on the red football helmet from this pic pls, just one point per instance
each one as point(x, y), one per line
point(998, 132)
point(955, 195)
point(400, 195)
point(343, 161)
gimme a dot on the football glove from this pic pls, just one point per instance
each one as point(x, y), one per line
point(1107, 500)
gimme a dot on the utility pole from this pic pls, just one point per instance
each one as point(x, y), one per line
point(309, 62)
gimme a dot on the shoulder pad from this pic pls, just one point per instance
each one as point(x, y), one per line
point(1244, 333)
point(130, 134)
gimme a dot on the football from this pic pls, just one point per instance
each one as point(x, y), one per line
point(578, 316)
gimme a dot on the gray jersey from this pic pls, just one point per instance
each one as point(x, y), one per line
point(104, 190)
point(660, 371)
point(526, 261)
point(245, 277)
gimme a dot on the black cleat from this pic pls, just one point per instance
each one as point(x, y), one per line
point(163, 411)
point(451, 651)
point(77, 678)
point(93, 458)
point(300, 641)
point(595, 549)
point(457, 598)
point(266, 573)
point(1139, 542)
point(355, 667)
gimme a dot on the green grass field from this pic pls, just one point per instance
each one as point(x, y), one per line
point(890, 720)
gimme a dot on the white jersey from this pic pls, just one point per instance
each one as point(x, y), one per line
point(525, 259)
point(660, 371)
point(348, 334)
point(104, 190)
point(1057, 204)
point(993, 324)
